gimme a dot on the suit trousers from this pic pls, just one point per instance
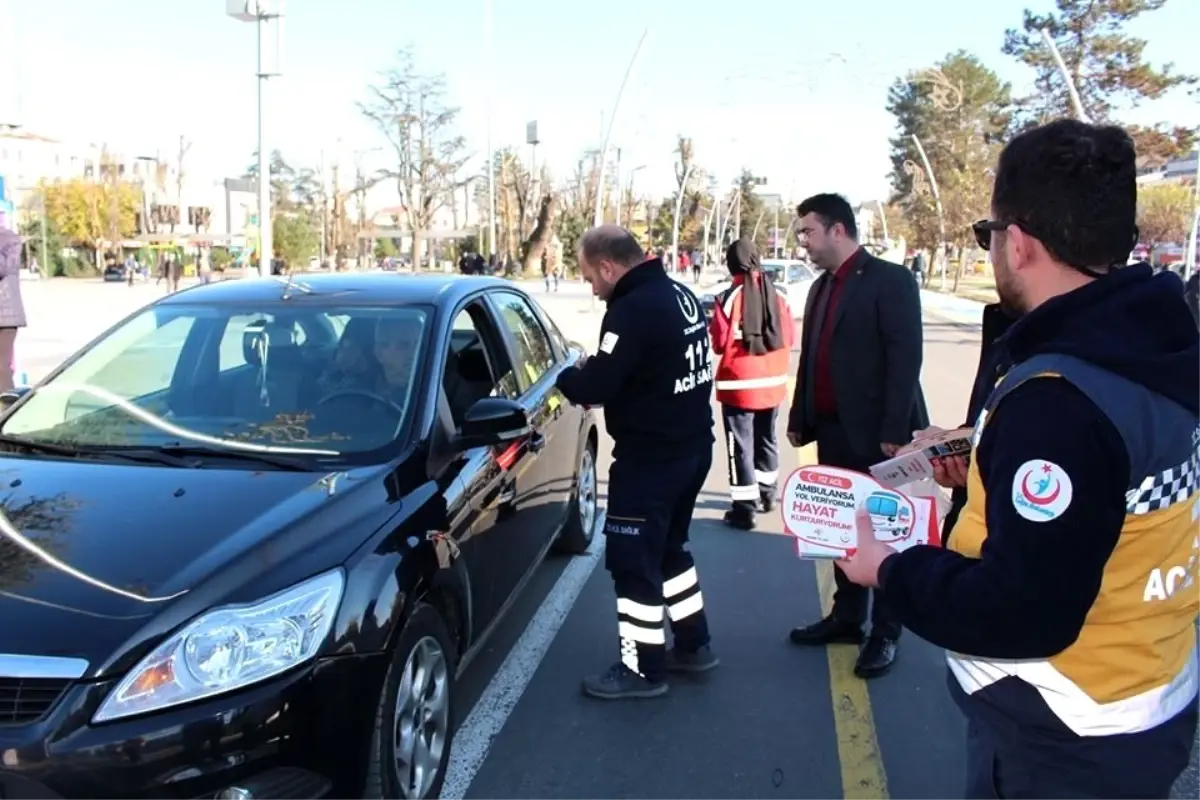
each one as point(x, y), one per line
point(850, 601)
point(753, 452)
point(650, 508)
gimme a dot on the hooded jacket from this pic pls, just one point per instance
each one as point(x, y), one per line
point(1068, 599)
point(752, 333)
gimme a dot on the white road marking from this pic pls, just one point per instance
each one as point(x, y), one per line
point(474, 738)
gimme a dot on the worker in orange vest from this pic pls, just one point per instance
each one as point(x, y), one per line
point(752, 332)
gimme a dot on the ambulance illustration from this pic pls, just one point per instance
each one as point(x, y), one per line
point(891, 516)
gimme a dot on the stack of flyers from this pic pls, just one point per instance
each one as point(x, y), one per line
point(819, 505)
point(914, 461)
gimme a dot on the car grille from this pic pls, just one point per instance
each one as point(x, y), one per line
point(25, 700)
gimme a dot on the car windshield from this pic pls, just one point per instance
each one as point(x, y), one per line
point(798, 273)
point(297, 379)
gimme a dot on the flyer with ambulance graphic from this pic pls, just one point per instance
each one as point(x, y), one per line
point(819, 504)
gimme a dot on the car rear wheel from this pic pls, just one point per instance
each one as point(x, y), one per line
point(413, 733)
point(577, 535)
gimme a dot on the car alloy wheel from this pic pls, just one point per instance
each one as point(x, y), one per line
point(422, 721)
point(587, 490)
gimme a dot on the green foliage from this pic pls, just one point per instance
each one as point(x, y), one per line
point(961, 112)
point(1107, 64)
point(88, 213)
point(1164, 213)
point(220, 258)
point(296, 238)
point(52, 262)
point(385, 248)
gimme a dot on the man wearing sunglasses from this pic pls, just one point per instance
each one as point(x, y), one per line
point(1067, 595)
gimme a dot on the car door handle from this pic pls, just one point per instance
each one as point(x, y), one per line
point(537, 441)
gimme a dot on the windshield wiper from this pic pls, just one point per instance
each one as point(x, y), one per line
point(51, 448)
point(74, 451)
point(205, 451)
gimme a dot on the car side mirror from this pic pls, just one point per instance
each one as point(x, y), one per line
point(492, 421)
point(9, 398)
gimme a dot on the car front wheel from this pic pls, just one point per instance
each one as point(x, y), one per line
point(413, 733)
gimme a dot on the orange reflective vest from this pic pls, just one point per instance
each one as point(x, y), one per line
point(744, 380)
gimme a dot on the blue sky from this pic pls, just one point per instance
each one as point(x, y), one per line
point(791, 90)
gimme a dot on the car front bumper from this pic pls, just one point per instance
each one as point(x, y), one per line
point(304, 734)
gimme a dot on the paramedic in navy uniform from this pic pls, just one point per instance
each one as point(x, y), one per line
point(653, 376)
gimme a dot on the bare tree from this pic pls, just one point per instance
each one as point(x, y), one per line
point(411, 112)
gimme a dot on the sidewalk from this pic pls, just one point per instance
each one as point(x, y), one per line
point(951, 307)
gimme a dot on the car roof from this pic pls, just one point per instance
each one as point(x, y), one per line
point(342, 287)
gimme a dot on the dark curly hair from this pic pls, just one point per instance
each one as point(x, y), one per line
point(1072, 186)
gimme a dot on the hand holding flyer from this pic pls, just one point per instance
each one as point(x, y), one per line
point(819, 505)
point(914, 461)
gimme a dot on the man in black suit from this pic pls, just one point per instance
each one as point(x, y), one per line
point(858, 393)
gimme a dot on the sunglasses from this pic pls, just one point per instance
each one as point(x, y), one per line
point(983, 231)
point(984, 228)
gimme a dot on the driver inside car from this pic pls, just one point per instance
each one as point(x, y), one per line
point(396, 343)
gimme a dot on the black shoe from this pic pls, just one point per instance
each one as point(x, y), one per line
point(742, 520)
point(830, 630)
point(693, 661)
point(621, 683)
point(766, 502)
point(876, 657)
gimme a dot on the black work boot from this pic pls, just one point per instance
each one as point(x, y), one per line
point(692, 661)
point(621, 683)
point(740, 517)
point(766, 502)
point(830, 630)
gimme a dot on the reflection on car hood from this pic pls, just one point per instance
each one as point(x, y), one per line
point(99, 547)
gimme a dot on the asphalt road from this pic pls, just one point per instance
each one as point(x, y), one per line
point(773, 721)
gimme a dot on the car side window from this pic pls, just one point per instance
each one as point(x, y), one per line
point(535, 354)
point(472, 363)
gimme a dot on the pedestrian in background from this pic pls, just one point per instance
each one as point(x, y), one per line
point(12, 309)
point(752, 333)
point(1067, 597)
point(858, 393)
point(653, 375)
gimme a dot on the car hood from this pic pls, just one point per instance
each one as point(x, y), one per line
point(94, 549)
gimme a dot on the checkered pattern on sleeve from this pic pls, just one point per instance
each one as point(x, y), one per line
point(1173, 485)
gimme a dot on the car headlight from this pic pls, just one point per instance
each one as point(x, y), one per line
point(230, 648)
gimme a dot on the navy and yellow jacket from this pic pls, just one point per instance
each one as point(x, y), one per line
point(1067, 596)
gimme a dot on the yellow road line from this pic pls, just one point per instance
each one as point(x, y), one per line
point(863, 775)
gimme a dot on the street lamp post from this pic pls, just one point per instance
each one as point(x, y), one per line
point(531, 138)
point(261, 12)
point(597, 217)
point(1077, 103)
point(675, 227)
point(491, 159)
point(622, 193)
point(937, 200)
point(1190, 258)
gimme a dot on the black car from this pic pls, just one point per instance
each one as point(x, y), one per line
point(252, 533)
